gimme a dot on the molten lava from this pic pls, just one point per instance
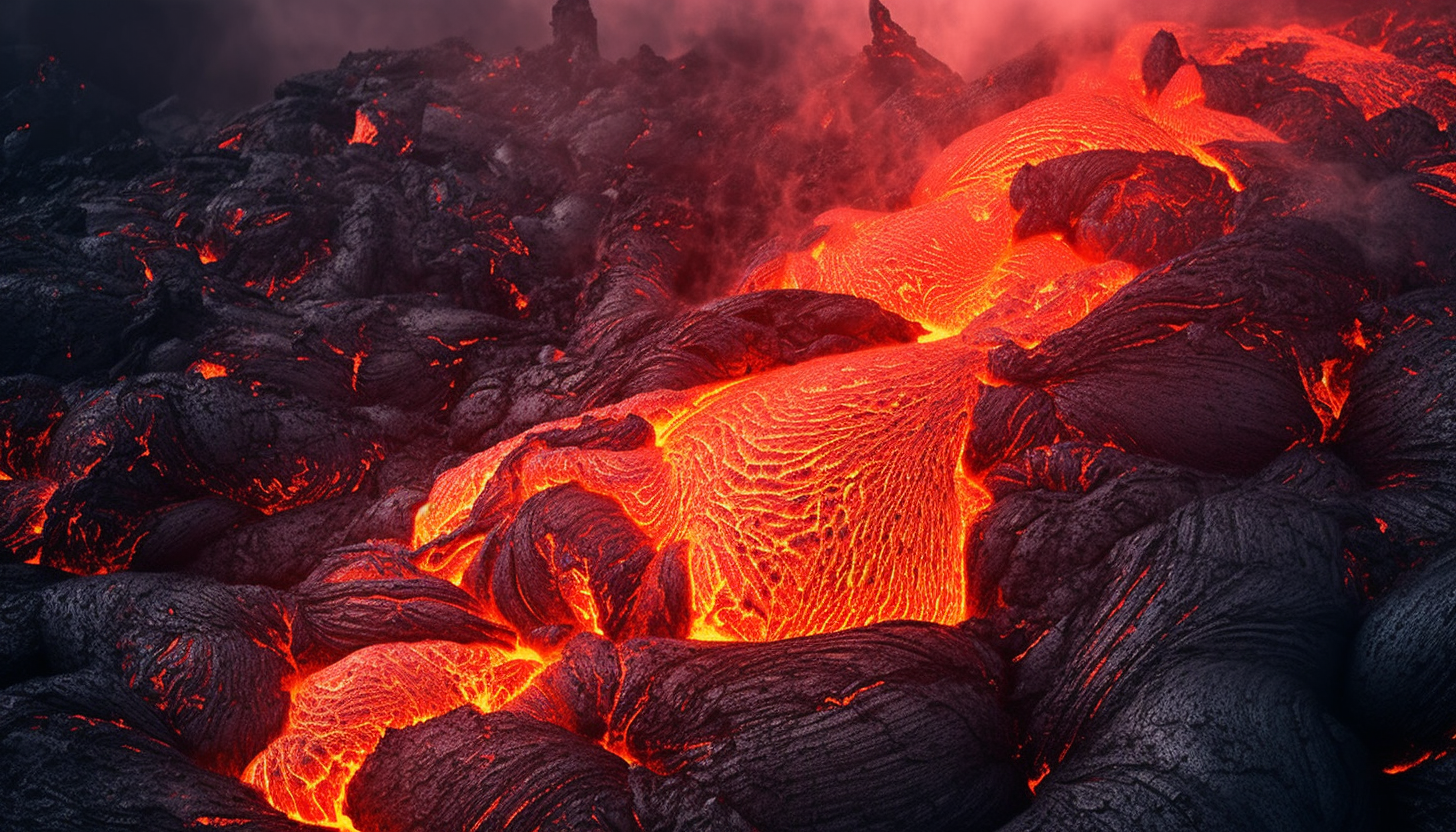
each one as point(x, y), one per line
point(816, 498)
point(340, 712)
point(829, 495)
point(812, 498)
point(951, 256)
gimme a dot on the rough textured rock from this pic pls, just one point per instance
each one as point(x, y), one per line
point(238, 353)
point(468, 770)
point(1142, 208)
point(1401, 684)
point(1161, 60)
point(30, 407)
point(370, 596)
point(1314, 115)
point(567, 542)
point(710, 727)
point(1398, 694)
point(1193, 595)
point(1258, 312)
point(22, 645)
point(63, 768)
point(209, 659)
point(1398, 420)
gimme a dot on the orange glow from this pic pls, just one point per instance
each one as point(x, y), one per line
point(1040, 776)
point(1372, 80)
point(1446, 192)
point(951, 257)
point(1400, 768)
point(1328, 391)
point(517, 299)
point(830, 494)
point(208, 369)
point(815, 498)
point(340, 712)
point(364, 130)
point(825, 495)
point(941, 264)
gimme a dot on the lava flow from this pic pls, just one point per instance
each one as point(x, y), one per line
point(760, 439)
point(830, 495)
point(952, 255)
point(339, 713)
point(811, 499)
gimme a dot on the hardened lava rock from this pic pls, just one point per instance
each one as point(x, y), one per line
point(30, 408)
point(1400, 692)
point(1141, 208)
point(235, 360)
point(524, 569)
point(94, 762)
point(370, 595)
point(886, 727)
point(1150, 371)
point(1179, 671)
point(390, 258)
point(208, 659)
point(491, 771)
point(1399, 419)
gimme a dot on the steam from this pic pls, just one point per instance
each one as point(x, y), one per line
point(230, 55)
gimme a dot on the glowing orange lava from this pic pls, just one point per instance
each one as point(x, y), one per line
point(365, 131)
point(340, 712)
point(951, 257)
point(208, 369)
point(814, 498)
point(830, 494)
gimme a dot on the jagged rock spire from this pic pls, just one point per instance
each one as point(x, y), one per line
point(893, 45)
point(1161, 61)
point(888, 34)
point(574, 29)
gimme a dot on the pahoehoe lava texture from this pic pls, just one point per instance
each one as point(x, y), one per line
point(410, 452)
point(889, 727)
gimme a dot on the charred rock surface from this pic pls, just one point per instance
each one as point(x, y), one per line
point(1196, 632)
point(909, 699)
point(567, 534)
point(1258, 312)
point(1142, 208)
point(491, 771)
point(414, 245)
point(209, 659)
point(707, 728)
point(1397, 421)
point(367, 596)
point(66, 770)
point(1161, 61)
point(30, 408)
point(1399, 695)
point(1316, 116)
